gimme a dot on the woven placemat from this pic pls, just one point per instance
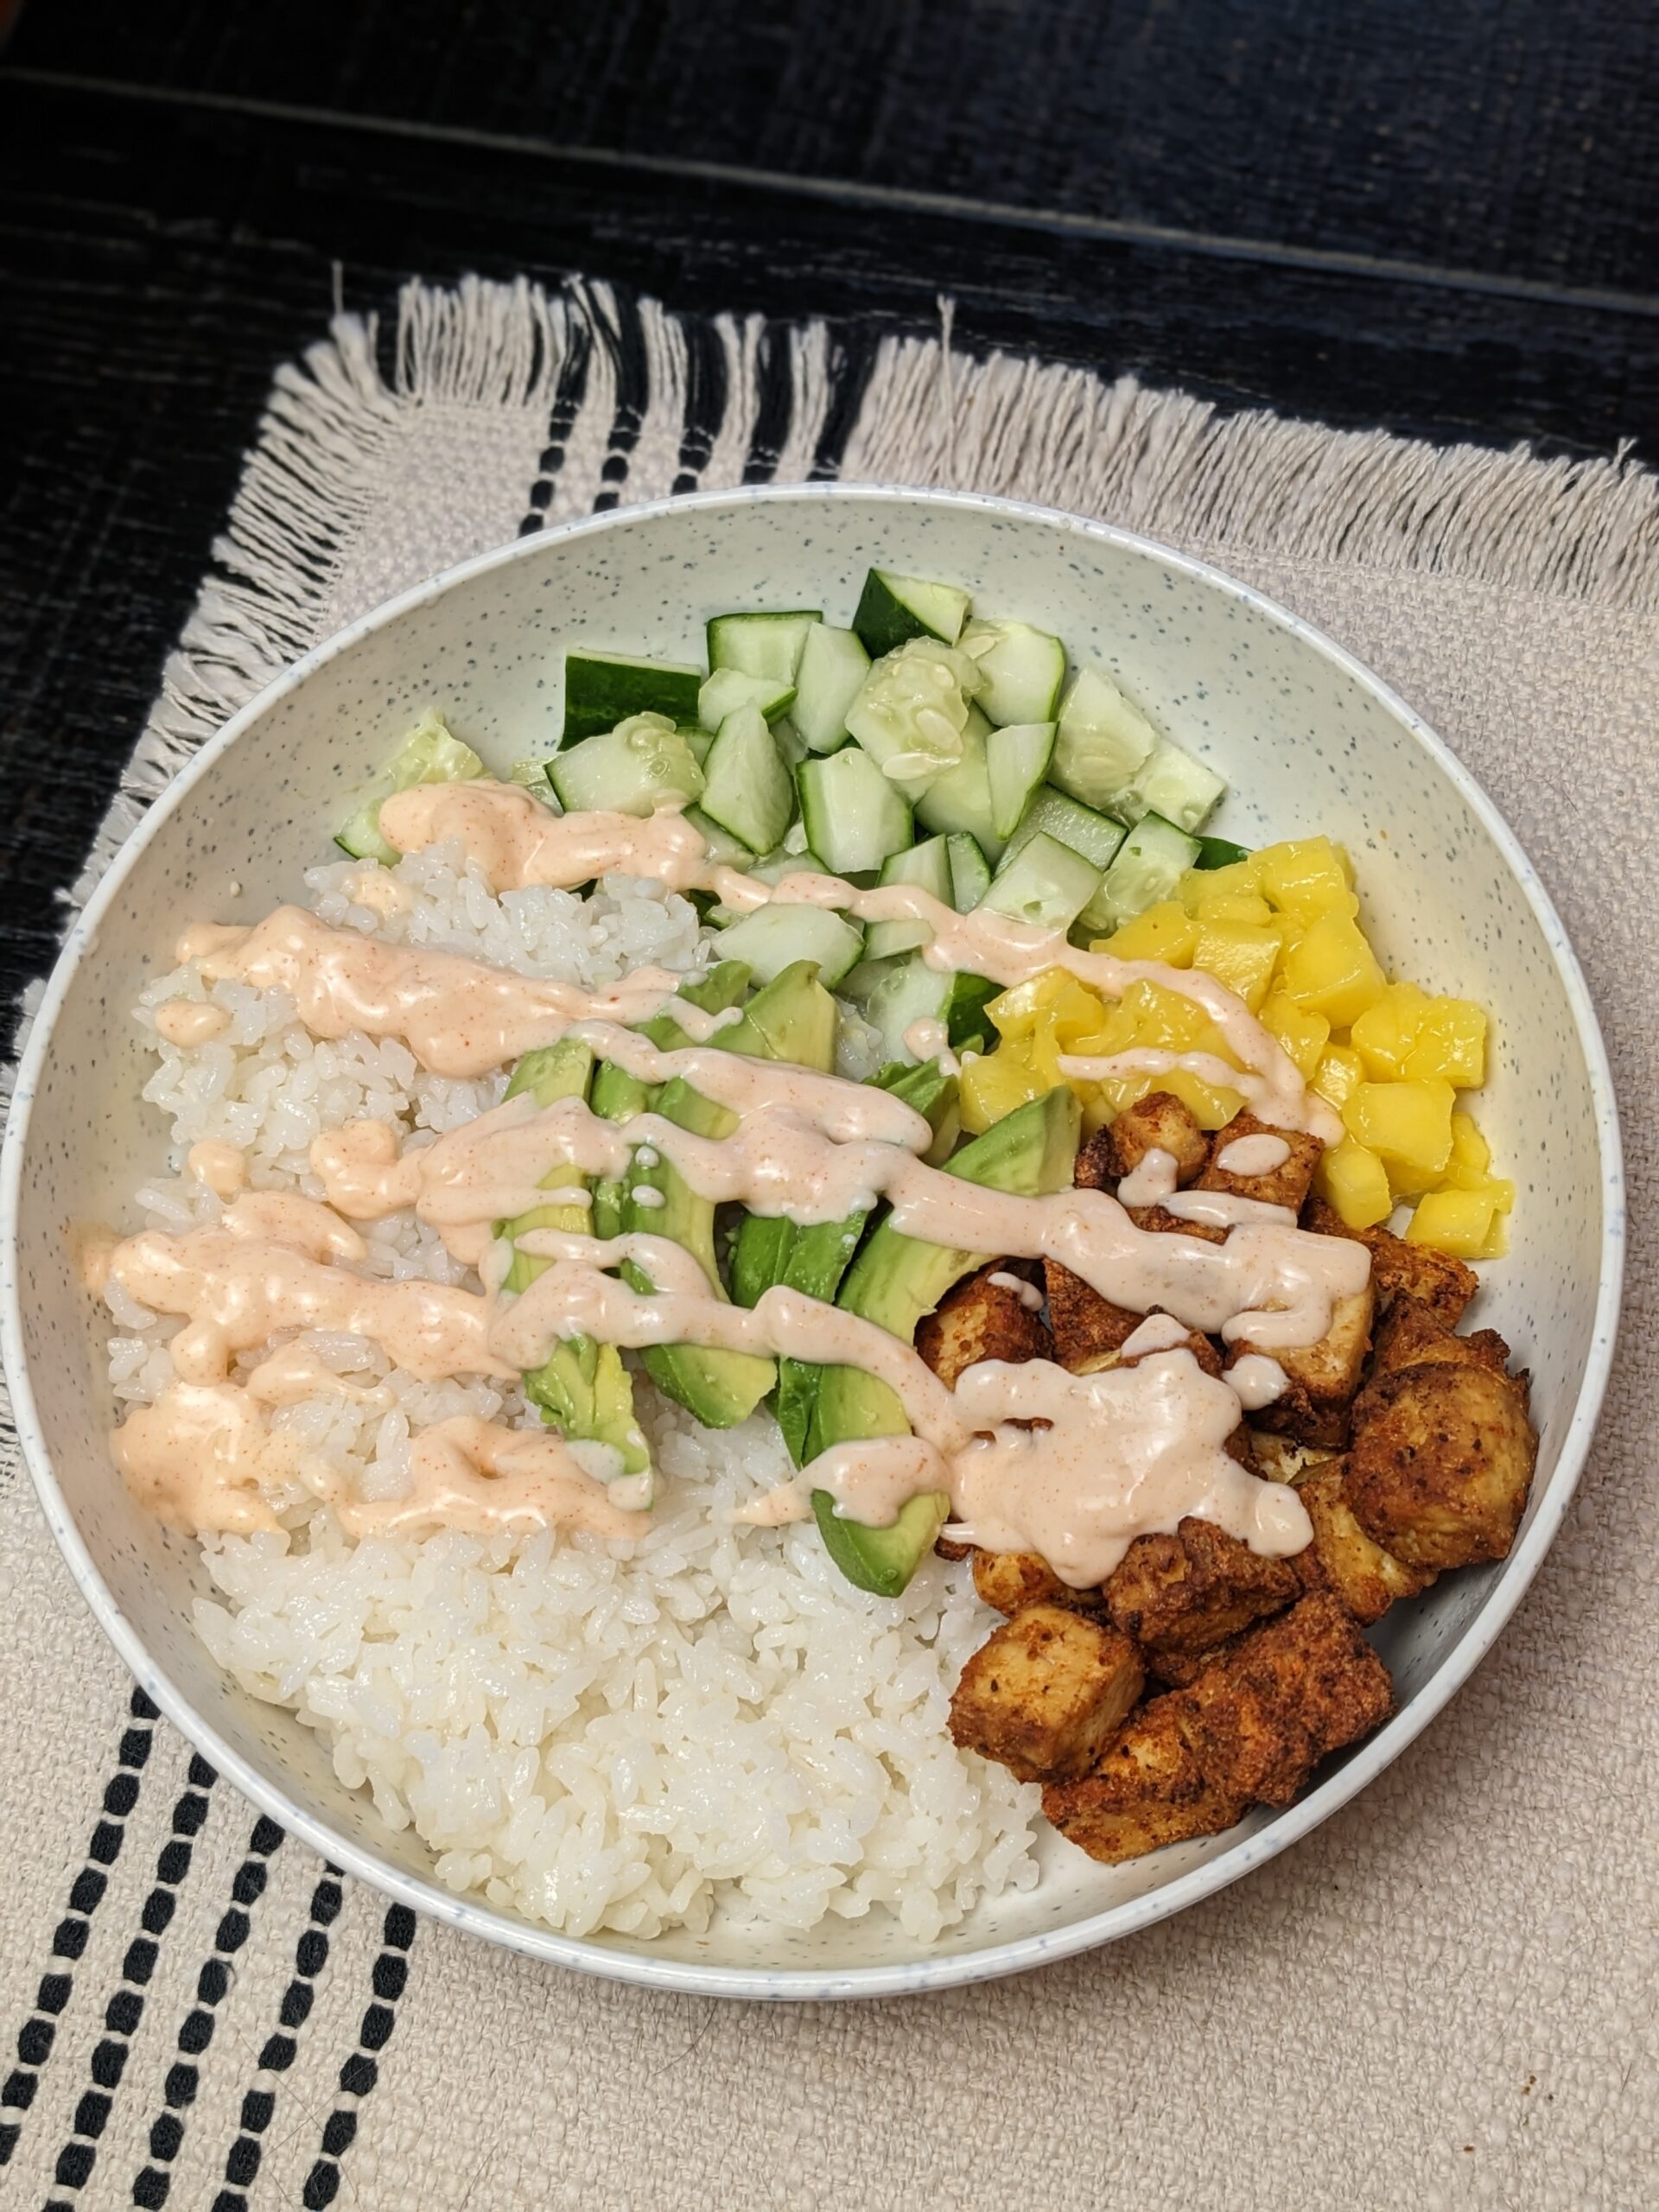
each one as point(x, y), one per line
point(1444, 1997)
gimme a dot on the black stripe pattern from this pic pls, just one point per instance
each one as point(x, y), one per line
point(362, 2070)
point(126, 2009)
point(151, 2183)
point(243, 2160)
point(39, 2033)
point(568, 396)
point(623, 336)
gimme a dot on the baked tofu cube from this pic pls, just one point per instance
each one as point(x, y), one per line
point(1012, 1580)
point(1157, 1221)
point(1441, 1462)
point(1046, 1693)
point(1282, 1460)
point(1287, 1185)
point(1179, 1596)
point(1434, 1279)
point(1147, 1791)
point(1089, 1330)
point(1413, 1334)
point(1158, 1122)
point(1260, 1717)
point(1323, 1378)
point(982, 1318)
point(1344, 1560)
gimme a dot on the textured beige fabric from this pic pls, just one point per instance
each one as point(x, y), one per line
point(1444, 1999)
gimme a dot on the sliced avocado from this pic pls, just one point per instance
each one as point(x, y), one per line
point(822, 1253)
point(792, 1019)
point(582, 1387)
point(618, 1095)
point(760, 1253)
point(896, 1280)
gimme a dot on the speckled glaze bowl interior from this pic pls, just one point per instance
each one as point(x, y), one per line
point(1308, 740)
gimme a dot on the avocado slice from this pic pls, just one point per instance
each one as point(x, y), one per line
point(896, 1280)
point(583, 1387)
point(793, 1018)
point(618, 1097)
point(822, 1253)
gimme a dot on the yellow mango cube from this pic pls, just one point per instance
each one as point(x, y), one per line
point(1201, 887)
point(1237, 955)
point(1164, 932)
point(1450, 1043)
point(1458, 1222)
point(1304, 1035)
point(1498, 1243)
point(1338, 1074)
point(1409, 1124)
point(1212, 1105)
point(1469, 1149)
point(1162, 1018)
point(1017, 1012)
point(1355, 1182)
point(1331, 969)
point(1386, 1034)
point(1247, 906)
point(1306, 877)
point(994, 1085)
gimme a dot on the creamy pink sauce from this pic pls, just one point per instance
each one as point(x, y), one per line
point(1254, 1155)
point(1029, 1456)
point(190, 1021)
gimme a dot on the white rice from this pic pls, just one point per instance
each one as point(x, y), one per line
point(598, 1736)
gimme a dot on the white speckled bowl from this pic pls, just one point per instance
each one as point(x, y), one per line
point(1308, 740)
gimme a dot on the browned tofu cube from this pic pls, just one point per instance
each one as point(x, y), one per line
point(1259, 1717)
point(1157, 1122)
point(1159, 1222)
point(1046, 1693)
point(1285, 1185)
point(1344, 1560)
point(1282, 1460)
point(1012, 1580)
point(1441, 1462)
point(1180, 1595)
point(1147, 1791)
point(1323, 1377)
point(982, 1318)
point(1434, 1279)
point(1413, 1334)
point(1095, 1166)
point(1089, 1330)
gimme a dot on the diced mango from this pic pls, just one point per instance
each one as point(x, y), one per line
point(1459, 1222)
point(1450, 1043)
point(1356, 1183)
point(994, 1085)
point(1202, 887)
point(1212, 1104)
point(1469, 1149)
point(1237, 955)
point(1247, 906)
point(1409, 1124)
point(1304, 1035)
point(1498, 1243)
point(1386, 1034)
point(1339, 1074)
point(1331, 969)
point(1164, 932)
point(1162, 1017)
point(1017, 1012)
point(1307, 876)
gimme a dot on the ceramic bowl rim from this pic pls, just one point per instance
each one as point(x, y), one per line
point(993, 1960)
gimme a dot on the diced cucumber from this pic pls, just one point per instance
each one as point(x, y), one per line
point(789, 742)
point(1045, 882)
point(1173, 785)
point(1096, 837)
point(1100, 742)
point(427, 755)
point(697, 742)
point(855, 818)
point(761, 644)
point(926, 864)
point(1220, 852)
point(746, 786)
point(1154, 856)
point(970, 872)
point(728, 687)
point(724, 849)
point(833, 666)
point(858, 983)
point(909, 714)
point(960, 798)
point(913, 992)
point(641, 764)
point(1024, 670)
point(533, 774)
point(1017, 757)
point(601, 689)
point(774, 938)
point(891, 609)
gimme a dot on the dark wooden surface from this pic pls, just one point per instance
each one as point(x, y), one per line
point(1437, 216)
